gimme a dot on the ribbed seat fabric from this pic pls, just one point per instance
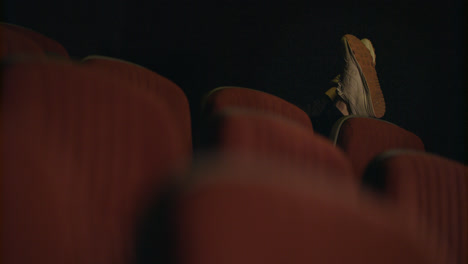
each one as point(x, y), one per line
point(363, 138)
point(83, 156)
point(15, 43)
point(246, 211)
point(433, 193)
point(20, 40)
point(268, 135)
point(158, 87)
point(224, 97)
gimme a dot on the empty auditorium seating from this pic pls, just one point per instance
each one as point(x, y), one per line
point(97, 168)
point(433, 193)
point(223, 97)
point(363, 138)
point(82, 157)
point(156, 85)
point(17, 40)
point(246, 211)
point(248, 131)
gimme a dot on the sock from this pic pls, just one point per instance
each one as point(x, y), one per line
point(341, 105)
point(331, 93)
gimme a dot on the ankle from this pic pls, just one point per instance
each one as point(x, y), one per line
point(342, 106)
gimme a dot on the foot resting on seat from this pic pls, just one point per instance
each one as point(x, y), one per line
point(358, 86)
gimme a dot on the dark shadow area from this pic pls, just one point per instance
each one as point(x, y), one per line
point(288, 49)
point(374, 176)
point(156, 237)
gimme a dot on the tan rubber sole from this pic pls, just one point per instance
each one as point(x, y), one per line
point(364, 58)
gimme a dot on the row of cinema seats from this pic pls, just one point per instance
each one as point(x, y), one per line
point(98, 167)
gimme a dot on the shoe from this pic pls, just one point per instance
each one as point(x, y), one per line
point(371, 49)
point(358, 85)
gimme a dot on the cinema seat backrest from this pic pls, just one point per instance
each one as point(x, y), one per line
point(433, 193)
point(17, 40)
point(83, 157)
point(363, 138)
point(156, 85)
point(268, 135)
point(246, 211)
point(225, 97)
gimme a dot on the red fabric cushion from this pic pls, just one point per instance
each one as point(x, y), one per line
point(273, 136)
point(433, 192)
point(364, 138)
point(246, 211)
point(157, 86)
point(222, 98)
point(83, 155)
point(17, 41)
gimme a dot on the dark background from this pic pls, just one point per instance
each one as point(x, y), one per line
point(288, 49)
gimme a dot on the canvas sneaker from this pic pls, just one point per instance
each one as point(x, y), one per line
point(358, 85)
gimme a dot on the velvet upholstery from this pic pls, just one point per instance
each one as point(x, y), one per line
point(432, 191)
point(83, 157)
point(156, 86)
point(248, 211)
point(20, 40)
point(225, 97)
point(268, 135)
point(363, 138)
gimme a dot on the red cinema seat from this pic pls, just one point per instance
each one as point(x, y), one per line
point(268, 135)
point(156, 85)
point(19, 40)
point(15, 43)
point(433, 193)
point(225, 97)
point(363, 138)
point(247, 211)
point(83, 156)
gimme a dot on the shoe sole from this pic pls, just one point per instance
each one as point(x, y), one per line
point(370, 47)
point(364, 59)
